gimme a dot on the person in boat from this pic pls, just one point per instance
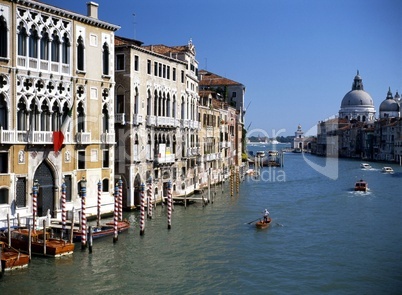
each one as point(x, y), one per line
point(266, 215)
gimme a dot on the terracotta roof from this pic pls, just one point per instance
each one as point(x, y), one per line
point(126, 41)
point(166, 50)
point(210, 79)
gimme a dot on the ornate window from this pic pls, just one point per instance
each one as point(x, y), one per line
point(3, 37)
point(44, 46)
point(55, 47)
point(33, 43)
point(22, 40)
point(80, 54)
point(105, 59)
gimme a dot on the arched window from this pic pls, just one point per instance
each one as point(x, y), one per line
point(45, 117)
point(174, 107)
point(81, 118)
point(22, 40)
point(105, 59)
point(149, 104)
point(55, 47)
point(155, 103)
point(182, 108)
point(80, 54)
point(105, 119)
point(44, 46)
point(65, 54)
point(3, 112)
point(56, 117)
point(21, 115)
point(136, 101)
point(3, 37)
point(33, 43)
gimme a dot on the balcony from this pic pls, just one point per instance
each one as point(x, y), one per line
point(165, 159)
point(165, 122)
point(108, 138)
point(185, 123)
point(138, 119)
point(43, 65)
point(120, 118)
point(31, 137)
point(151, 120)
point(83, 137)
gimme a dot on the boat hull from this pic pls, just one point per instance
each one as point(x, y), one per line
point(103, 231)
point(12, 259)
point(262, 224)
point(54, 247)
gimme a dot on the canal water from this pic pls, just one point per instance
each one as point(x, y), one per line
point(324, 239)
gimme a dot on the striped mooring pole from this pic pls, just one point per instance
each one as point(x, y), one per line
point(34, 203)
point(150, 203)
point(83, 213)
point(63, 209)
point(142, 212)
point(99, 203)
point(120, 183)
point(116, 213)
point(169, 205)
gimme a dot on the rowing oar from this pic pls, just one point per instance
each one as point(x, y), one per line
point(253, 221)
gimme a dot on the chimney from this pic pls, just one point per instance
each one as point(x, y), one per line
point(92, 9)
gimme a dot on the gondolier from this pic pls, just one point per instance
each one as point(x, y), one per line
point(266, 215)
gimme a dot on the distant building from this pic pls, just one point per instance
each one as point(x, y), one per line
point(357, 134)
point(299, 138)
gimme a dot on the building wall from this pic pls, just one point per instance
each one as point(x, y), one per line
point(38, 92)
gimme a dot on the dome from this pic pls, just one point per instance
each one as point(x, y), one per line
point(357, 98)
point(389, 104)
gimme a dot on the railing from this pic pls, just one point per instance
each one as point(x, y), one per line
point(164, 159)
point(120, 118)
point(151, 120)
point(43, 65)
point(138, 119)
point(83, 137)
point(108, 138)
point(185, 123)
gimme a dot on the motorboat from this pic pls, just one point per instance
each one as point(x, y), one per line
point(361, 186)
point(387, 170)
point(365, 166)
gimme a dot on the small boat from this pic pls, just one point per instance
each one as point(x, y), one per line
point(40, 244)
point(263, 224)
point(260, 154)
point(387, 170)
point(11, 258)
point(361, 186)
point(365, 166)
point(103, 230)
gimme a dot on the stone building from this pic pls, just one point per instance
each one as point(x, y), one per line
point(157, 121)
point(56, 77)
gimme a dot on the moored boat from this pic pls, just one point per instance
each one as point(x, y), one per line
point(11, 258)
point(263, 224)
point(40, 244)
point(103, 230)
point(361, 186)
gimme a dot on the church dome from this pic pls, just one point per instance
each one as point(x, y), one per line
point(357, 104)
point(389, 104)
point(357, 97)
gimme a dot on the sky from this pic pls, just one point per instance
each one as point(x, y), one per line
point(296, 58)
